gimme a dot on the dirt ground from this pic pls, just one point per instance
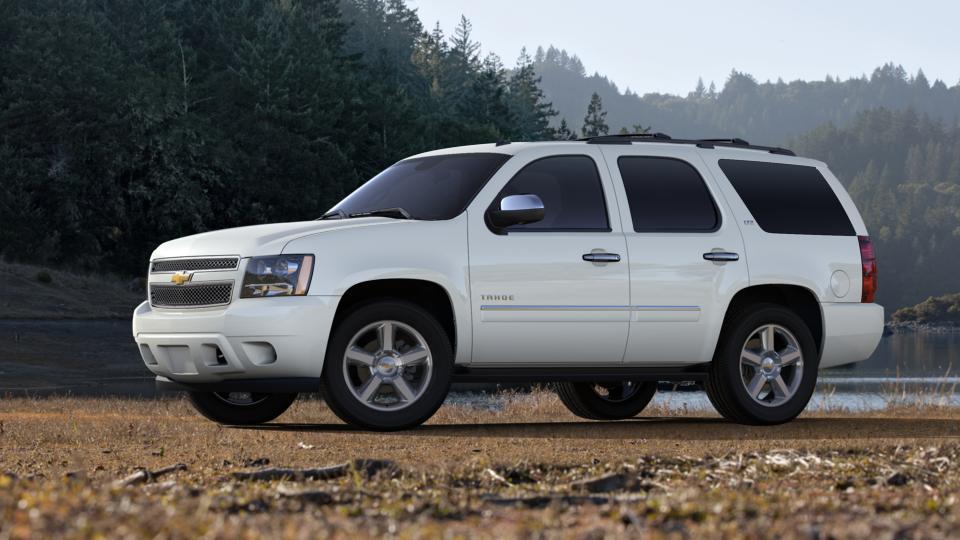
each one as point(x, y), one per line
point(527, 469)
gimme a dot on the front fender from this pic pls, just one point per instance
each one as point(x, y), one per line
point(434, 251)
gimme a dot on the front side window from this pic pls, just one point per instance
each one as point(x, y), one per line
point(429, 188)
point(788, 199)
point(570, 189)
point(667, 195)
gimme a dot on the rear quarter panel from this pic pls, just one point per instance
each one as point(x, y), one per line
point(809, 261)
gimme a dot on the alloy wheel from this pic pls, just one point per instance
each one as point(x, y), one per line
point(387, 365)
point(771, 365)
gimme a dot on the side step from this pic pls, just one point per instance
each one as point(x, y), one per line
point(577, 374)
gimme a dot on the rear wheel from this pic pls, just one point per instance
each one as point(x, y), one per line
point(765, 370)
point(240, 408)
point(606, 401)
point(388, 366)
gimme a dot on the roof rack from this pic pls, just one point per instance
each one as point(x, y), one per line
point(625, 138)
point(629, 138)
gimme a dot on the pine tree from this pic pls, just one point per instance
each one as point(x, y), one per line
point(563, 132)
point(594, 123)
point(531, 111)
point(700, 91)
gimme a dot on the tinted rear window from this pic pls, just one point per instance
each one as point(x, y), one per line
point(788, 199)
point(436, 187)
point(666, 195)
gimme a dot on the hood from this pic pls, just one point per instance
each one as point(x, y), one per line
point(258, 240)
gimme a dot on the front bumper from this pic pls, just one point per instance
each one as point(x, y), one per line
point(851, 332)
point(259, 338)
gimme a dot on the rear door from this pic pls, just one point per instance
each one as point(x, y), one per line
point(686, 252)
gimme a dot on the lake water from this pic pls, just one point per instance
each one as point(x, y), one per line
point(99, 357)
point(906, 369)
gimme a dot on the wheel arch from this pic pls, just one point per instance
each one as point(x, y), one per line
point(799, 299)
point(429, 295)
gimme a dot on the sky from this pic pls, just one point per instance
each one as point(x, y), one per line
point(665, 46)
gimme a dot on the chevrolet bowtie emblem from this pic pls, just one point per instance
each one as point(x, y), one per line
point(181, 277)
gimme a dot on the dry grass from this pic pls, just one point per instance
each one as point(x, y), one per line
point(471, 472)
point(67, 296)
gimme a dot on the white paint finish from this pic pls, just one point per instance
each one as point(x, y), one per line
point(662, 314)
point(433, 251)
point(296, 327)
point(255, 240)
point(686, 295)
point(546, 272)
point(853, 331)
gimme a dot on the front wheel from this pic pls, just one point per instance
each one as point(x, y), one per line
point(765, 370)
point(606, 401)
point(388, 366)
point(240, 408)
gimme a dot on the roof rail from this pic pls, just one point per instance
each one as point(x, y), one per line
point(625, 138)
point(629, 138)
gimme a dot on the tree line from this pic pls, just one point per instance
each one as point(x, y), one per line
point(123, 124)
point(771, 112)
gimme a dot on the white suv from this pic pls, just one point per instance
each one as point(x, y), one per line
point(603, 265)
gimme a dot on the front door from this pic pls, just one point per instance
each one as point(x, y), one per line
point(551, 292)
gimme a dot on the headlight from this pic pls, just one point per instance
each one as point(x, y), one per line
point(277, 275)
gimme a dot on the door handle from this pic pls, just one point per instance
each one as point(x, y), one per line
point(721, 256)
point(601, 257)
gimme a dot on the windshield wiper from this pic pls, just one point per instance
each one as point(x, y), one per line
point(334, 214)
point(398, 213)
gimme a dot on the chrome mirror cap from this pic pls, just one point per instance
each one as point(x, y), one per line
point(516, 210)
point(514, 203)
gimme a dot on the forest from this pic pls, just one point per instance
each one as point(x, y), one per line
point(124, 124)
point(127, 123)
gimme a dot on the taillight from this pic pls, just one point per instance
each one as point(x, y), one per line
point(868, 261)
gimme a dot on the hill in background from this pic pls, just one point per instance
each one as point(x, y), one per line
point(765, 113)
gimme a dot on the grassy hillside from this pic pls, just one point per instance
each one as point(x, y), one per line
point(33, 292)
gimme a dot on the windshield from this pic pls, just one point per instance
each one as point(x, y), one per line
point(431, 188)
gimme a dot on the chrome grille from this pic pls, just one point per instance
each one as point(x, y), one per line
point(191, 295)
point(192, 265)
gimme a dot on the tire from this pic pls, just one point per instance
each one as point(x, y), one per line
point(744, 359)
point(586, 400)
point(387, 387)
point(230, 409)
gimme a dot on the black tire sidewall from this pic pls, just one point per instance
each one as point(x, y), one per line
point(598, 408)
point(729, 367)
point(343, 403)
point(218, 410)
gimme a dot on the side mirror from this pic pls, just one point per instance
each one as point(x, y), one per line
point(516, 210)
